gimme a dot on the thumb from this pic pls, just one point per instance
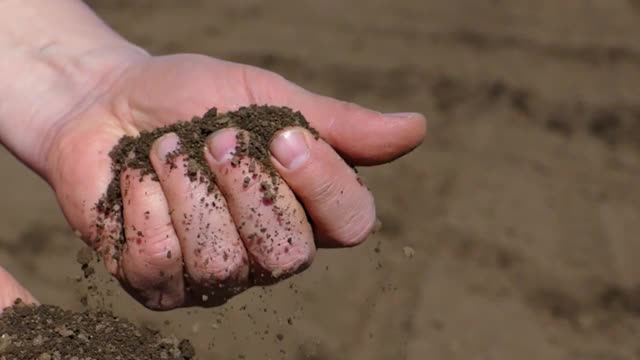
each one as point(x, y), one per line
point(11, 290)
point(362, 136)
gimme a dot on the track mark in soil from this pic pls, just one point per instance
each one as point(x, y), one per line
point(616, 298)
point(558, 303)
point(613, 124)
point(586, 307)
point(538, 288)
point(479, 252)
point(606, 303)
point(604, 124)
point(590, 54)
point(37, 239)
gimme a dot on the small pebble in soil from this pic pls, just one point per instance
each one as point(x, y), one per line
point(49, 332)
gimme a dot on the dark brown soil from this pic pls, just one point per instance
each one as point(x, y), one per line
point(258, 125)
point(522, 206)
point(48, 332)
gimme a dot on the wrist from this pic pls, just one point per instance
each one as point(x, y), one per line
point(55, 56)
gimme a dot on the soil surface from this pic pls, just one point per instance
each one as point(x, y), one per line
point(512, 233)
point(48, 332)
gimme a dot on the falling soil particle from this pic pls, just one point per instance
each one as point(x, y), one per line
point(49, 332)
point(258, 125)
point(408, 252)
point(84, 256)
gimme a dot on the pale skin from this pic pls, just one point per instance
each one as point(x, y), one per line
point(72, 87)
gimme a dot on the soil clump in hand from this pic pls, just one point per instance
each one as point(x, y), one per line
point(258, 125)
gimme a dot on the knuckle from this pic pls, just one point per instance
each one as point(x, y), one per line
point(356, 228)
point(262, 84)
point(218, 272)
point(153, 249)
point(325, 190)
point(293, 262)
point(347, 218)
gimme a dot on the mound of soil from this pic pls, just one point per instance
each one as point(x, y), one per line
point(258, 125)
point(48, 332)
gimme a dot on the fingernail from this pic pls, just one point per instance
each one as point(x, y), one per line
point(402, 115)
point(222, 144)
point(290, 148)
point(166, 144)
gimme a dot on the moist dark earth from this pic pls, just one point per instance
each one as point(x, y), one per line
point(48, 332)
point(522, 209)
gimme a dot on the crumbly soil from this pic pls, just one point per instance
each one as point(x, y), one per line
point(257, 125)
point(522, 208)
point(47, 332)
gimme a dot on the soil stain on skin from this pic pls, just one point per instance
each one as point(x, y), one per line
point(48, 332)
point(513, 215)
point(258, 125)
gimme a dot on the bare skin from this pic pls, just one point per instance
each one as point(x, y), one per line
point(11, 291)
point(79, 87)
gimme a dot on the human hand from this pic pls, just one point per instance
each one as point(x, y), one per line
point(73, 88)
point(171, 265)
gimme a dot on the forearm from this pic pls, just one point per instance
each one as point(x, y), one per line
point(51, 54)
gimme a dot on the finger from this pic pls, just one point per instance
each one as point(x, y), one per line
point(214, 255)
point(11, 290)
point(342, 208)
point(151, 263)
point(275, 230)
point(81, 193)
point(363, 136)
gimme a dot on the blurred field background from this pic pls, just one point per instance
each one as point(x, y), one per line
point(523, 206)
